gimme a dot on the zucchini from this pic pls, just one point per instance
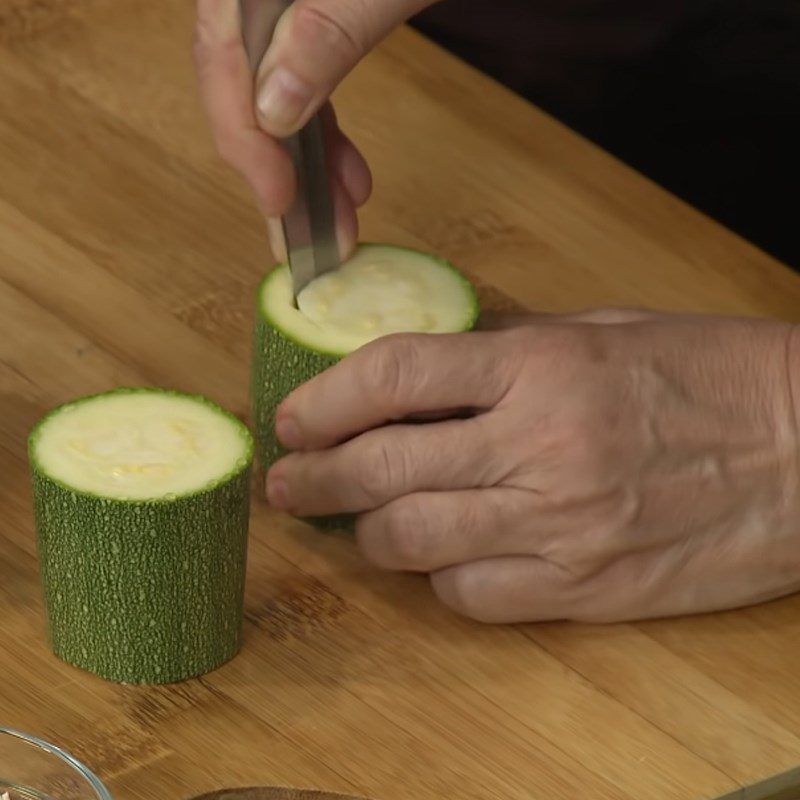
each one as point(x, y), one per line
point(381, 290)
point(141, 500)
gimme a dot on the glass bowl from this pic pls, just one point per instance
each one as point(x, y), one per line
point(31, 769)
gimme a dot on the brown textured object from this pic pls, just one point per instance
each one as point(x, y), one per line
point(130, 255)
point(273, 793)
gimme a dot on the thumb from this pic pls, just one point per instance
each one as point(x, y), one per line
point(316, 43)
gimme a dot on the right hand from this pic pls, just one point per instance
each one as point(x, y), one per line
point(316, 43)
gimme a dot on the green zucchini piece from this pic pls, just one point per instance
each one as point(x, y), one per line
point(381, 290)
point(141, 500)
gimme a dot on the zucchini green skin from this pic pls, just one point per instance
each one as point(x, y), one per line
point(144, 591)
point(280, 365)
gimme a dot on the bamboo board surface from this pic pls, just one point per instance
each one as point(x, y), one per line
point(130, 255)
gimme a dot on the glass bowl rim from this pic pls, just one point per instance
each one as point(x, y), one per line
point(71, 761)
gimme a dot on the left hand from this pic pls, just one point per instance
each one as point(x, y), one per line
point(617, 465)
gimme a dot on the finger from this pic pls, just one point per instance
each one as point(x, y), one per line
point(499, 320)
point(605, 316)
point(316, 43)
point(346, 161)
point(277, 239)
point(684, 579)
point(346, 219)
point(351, 184)
point(379, 466)
point(428, 531)
point(507, 590)
point(226, 87)
point(345, 166)
point(351, 168)
point(392, 378)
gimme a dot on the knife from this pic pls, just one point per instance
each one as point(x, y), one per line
point(309, 226)
point(272, 793)
point(785, 786)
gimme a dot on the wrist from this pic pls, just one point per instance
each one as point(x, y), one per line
point(793, 376)
point(793, 434)
point(778, 528)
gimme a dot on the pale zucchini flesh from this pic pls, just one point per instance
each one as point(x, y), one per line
point(140, 445)
point(381, 290)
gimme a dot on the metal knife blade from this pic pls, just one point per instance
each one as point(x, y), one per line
point(785, 786)
point(309, 226)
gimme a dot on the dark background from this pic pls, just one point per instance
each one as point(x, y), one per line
point(703, 96)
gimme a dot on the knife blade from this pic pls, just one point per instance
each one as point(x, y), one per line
point(785, 786)
point(309, 226)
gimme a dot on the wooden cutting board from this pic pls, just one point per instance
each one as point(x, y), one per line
point(129, 255)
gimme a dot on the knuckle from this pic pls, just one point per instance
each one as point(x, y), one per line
point(408, 538)
point(376, 471)
point(394, 367)
point(581, 557)
point(313, 22)
point(517, 344)
point(573, 347)
point(572, 356)
point(617, 520)
point(208, 41)
point(575, 554)
point(617, 315)
point(608, 536)
point(201, 36)
point(616, 593)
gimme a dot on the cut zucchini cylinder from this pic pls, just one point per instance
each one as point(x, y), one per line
point(141, 500)
point(381, 290)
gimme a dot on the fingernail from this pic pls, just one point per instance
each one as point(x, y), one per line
point(346, 220)
point(345, 243)
point(288, 433)
point(282, 99)
point(276, 239)
point(278, 494)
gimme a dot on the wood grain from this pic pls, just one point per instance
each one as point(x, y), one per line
point(129, 255)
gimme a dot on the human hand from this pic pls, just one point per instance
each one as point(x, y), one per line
point(618, 465)
point(316, 43)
